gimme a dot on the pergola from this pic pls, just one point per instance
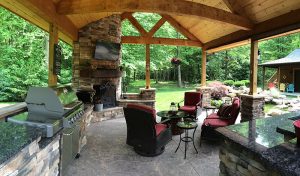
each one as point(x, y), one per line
point(212, 25)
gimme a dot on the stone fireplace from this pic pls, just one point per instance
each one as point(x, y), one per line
point(97, 79)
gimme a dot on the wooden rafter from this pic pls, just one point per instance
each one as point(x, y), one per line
point(180, 28)
point(156, 27)
point(135, 23)
point(171, 7)
point(281, 24)
point(235, 7)
point(159, 41)
point(42, 14)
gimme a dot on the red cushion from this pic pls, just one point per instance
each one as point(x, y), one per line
point(192, 98)
point(159, 128)
point(213, 116)
point(188, 109)
point(143, 108)
point(216, 122)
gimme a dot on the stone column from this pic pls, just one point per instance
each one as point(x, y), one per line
point(252, 107)
point(205, 91)
point(148, 94)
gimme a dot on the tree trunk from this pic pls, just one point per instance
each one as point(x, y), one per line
point(179, 76)
point(156, 76)
point(134, 75)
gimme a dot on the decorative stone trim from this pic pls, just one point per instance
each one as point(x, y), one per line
point(252, 107)
point(206, 97)
point(107, 114)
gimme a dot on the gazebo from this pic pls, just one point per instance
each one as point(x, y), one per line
point(210, 25)
point(288, 69)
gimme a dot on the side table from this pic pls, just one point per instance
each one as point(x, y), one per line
point(186, 126)
point(174, 117)
point(208, 108)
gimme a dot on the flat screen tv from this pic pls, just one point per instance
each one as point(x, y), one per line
point(107, 50)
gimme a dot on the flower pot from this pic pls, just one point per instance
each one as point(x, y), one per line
point(98, 107)
point(297, 130)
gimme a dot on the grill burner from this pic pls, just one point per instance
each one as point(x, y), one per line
point(50, 109)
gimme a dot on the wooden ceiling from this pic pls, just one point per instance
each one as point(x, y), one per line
point(213, 22)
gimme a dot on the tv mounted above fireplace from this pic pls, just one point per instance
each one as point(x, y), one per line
point(107, 50)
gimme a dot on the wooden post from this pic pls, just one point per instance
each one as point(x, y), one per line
point(203, 68)
point(263, 78)
point(53, 39)
point(253, 67)
point(147, 66)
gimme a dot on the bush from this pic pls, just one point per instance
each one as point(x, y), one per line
point(219, 90)
point(229, 82)
point(239, 83)
point(246, 82)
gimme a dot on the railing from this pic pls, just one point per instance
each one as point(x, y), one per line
point(13, 109)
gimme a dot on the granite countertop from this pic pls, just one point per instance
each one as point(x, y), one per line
point(266, 138)
point(13, 138)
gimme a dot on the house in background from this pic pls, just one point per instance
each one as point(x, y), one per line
point(288, 70)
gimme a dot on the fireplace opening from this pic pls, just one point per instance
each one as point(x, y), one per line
point(105, 94)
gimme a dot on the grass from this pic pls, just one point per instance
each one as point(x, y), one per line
point(166, 92)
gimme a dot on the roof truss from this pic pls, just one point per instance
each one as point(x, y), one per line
point(170, 7)
point(147, 37)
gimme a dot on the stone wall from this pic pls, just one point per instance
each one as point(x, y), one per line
point(237, 161)
point(252, 107)
point(85, 122)
point(107, 114)
point(88, 71)
point(206, 97)
point(35, 160)
point(145, 97)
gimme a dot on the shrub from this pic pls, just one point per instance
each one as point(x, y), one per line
point(239, 83)
point(219, 90)
point(228, 82)
point(246, 82)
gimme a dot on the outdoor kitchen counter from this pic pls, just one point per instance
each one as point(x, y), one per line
point(23, 151)
point(259, 147)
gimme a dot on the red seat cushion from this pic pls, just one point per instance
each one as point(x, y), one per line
point(143, 108)
point(216, 122)
point(159, 128)
point(213, 116)
point(188, 109)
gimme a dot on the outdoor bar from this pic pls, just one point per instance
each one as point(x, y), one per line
point(81, 128)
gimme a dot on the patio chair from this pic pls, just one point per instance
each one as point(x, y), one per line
point(225, 116)
point(282, 87)
point(147, 137)
point(290, 88)
point(191, 102)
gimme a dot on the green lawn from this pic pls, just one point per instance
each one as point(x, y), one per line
point(166, 92)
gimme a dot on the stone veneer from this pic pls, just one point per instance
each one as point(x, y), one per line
point(238, 161)
point(206, 95)
point(252, 107)
point(88, 71)
point(34, 160)
point(145, 97)
point(107, 114)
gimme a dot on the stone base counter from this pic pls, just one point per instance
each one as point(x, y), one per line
point(259, 147)
point(24, 152)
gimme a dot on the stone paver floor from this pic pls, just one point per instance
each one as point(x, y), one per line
point(106, 154)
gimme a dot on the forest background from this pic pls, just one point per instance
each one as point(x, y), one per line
point(24, 57)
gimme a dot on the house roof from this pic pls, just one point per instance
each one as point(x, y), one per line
point(292, 58)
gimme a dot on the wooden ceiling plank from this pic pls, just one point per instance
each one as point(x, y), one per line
point(135, 23)
point(235, 7)
point(156, 26)
point(281, 24)
point(159, 41)
point(180, 28)
point(171, 7)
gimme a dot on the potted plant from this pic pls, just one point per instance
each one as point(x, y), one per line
point(98, 104)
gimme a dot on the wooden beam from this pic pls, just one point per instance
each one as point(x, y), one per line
point(156, 27)
point(147, 66)
point(159, 41)
point(171, 7)
point(229, 46)
point(235, 7)
point(203, 68)
point(53, 39)
point(42, 13)
point(281, 24)
point(135, 23)
point(253, 67)
point(180, 28)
